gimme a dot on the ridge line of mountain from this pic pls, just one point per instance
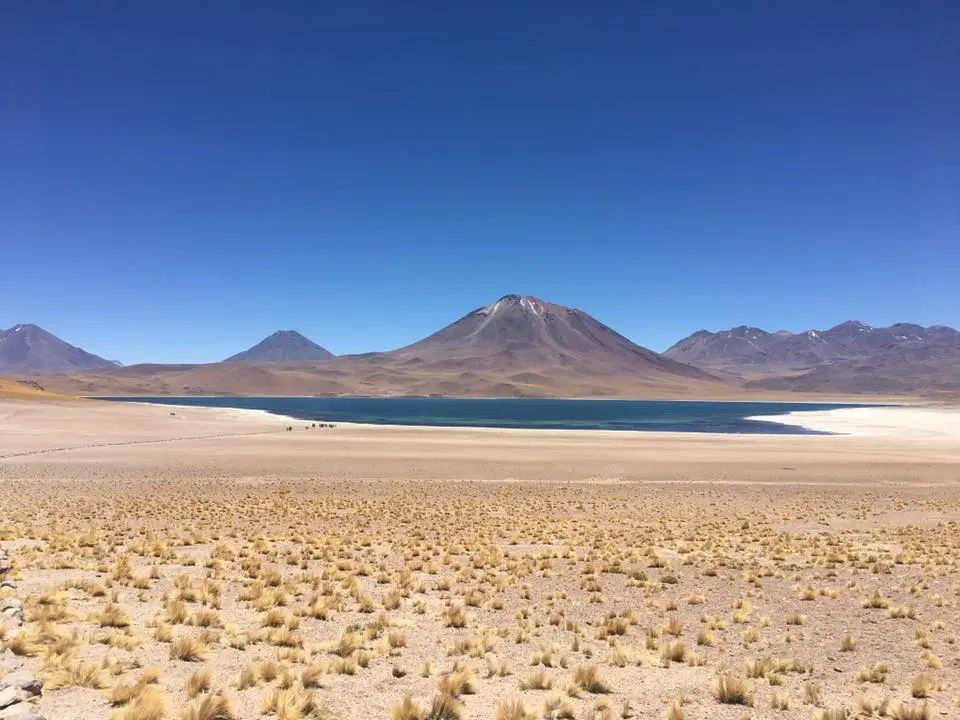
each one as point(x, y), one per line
point(521, 345)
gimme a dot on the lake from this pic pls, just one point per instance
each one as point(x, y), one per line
point(650, 415)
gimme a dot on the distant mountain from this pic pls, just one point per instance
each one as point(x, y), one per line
point(929, 370)
point(519, 331)
point(518, 346)
point(748, 349)
point(854, 358)
point(31, 349)
point(283, 345)
point(522, 346)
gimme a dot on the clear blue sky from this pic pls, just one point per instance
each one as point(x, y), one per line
point(178, 180)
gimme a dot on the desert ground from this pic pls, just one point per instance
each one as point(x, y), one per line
point(200, 563)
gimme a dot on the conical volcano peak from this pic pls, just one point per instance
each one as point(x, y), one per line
point(522, 333)
point(518, 299)
point(282, 345)
point(524, 303)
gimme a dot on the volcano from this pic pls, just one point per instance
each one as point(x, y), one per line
point(520, 331)
point(28, 348)
point(282, 345)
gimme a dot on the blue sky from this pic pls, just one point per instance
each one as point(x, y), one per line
point(178, 180)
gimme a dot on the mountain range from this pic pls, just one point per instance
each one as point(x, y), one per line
point(851, 357)
point(747, 349)
point(523, 346)
point(518, 346)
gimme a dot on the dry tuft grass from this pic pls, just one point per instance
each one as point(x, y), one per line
point(199, 682)
point(589, 678)
point(536, 680)
point(407, 709)
point(676, 712)
point(189, 649)
point(512, 709)
point(732, 690)
point(832, 714)
point(211, 707)
point(557, 707)
point(62, 671)
point(291, 703)
point(923, 685)
point(905, 711)
point(148, 704)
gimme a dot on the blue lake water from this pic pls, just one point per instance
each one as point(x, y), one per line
point(651, 415)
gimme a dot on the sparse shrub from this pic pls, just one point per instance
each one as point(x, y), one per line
point(199, 682)
point(732, 690)
point(60, 671)
point(780, 701)
point(454, 617)
point(923, 685)
point(311, 676)
point(813, 694)
point(906, 711)
point(211, 707)
point(557, 707)
point(407, 709)
point(189, 649)
point(512, 709)
point(588, 678)
point(876, 674)
point(147, 704)
point(536, 680)
point(833, 714)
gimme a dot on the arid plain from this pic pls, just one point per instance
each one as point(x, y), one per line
point(213, 564)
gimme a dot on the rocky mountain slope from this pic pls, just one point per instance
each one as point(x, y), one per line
point(749, 349)
point(852, 357)
point(927, 371)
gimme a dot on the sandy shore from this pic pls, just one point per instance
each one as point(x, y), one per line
point(349, 568)
point(131, 434)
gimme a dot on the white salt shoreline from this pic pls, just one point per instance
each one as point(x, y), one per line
point(250, 414)
point(914, 422)
point(931, 422)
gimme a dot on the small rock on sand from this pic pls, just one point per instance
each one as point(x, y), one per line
point(23, 680)
point(9, 662)
point(11, 606)
point(11, 695)
point(20, 711)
